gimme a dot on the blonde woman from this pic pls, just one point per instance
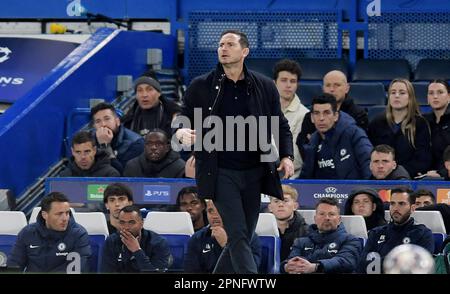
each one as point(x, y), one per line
point(402, 127)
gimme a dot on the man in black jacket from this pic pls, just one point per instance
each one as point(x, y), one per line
point(86, 161)
point(151, 109)
point(134, 249)
point(236, 179)
point(291, 225)
point(158, 160)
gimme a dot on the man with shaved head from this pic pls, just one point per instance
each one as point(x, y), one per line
point(334, 83)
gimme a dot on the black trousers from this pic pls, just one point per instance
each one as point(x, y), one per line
point(238, 199)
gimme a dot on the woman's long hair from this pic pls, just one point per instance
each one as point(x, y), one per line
point(408, 125)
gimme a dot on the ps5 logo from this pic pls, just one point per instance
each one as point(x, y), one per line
point(374, 8)
point(75, 8)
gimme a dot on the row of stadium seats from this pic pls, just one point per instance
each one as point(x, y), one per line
point(366, 70)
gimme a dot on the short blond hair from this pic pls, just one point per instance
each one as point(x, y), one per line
point(288, 190)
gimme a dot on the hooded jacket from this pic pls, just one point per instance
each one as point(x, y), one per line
point(101, 168)
point(171, 166)
point(205, 94)
point(377, 217)
point(337, 251)
point(39, 249)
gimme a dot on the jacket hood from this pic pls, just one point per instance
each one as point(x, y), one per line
point(378, 214)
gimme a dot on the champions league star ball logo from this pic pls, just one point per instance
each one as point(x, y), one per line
point(4, 54)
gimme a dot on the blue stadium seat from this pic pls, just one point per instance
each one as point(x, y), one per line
point(381, 70)
point(315, 69)
point(421, 91)
point(267, 230)
point(307, 91)
point(432, 220)
point(432, 69)
point(177, 228)
point(11, 222)
point(95, 225)
point(368, 94)
point(262, 65)
point(375, 110)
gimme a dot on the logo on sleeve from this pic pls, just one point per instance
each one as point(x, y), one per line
point(382, 239)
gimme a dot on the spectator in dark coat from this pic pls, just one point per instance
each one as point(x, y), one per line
point(134, 249)
point(44, 246)
point(334, 83)
point(86, 161)
point(151, 110)
point(120, 143)
point(401, 230)
point(327, 248)
point(383, 165)
point(189, 201)
point(439, 120)
point(367, 203)
point(403, 128)
point(291, 225)
point(338, 149)
point(158, 159)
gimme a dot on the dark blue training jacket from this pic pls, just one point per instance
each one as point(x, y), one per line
point(154, 255)
point(383, 239)
point(39, 249)
point(337, 251)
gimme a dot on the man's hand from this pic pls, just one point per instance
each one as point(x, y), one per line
point(220, 235)
point(186, 136)
point(189, 168)
point(287, 166)
point(130, 241)
point(298, 265)
point(104, 135)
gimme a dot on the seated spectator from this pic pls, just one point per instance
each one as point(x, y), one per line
point(44, 245)
point(401, 230)
point(151, 110)
point(86, 161)
point(338, 149)
point(439, 120)
point(133, 249)
point(383, 165)
point(120, 143)
point(188, 201)
point(424, 198)
point(115, 197)
point(205, 246)
point(334, 83)
point(403, 128)
point(286, 75)
point(327, 248)
point(291, 225)
point(367, 203)
point(158, 159)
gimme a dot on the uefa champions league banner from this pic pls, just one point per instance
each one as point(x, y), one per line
point(164, 191)
point(26, 61)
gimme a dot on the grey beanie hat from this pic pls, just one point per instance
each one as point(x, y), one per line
point(149, 81)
